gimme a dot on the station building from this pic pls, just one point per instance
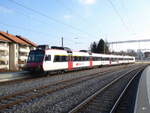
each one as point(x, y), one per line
point(14, 51)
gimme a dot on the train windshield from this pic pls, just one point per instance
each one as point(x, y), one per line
point(36, 56)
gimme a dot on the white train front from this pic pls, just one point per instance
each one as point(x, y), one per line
point(59, 59)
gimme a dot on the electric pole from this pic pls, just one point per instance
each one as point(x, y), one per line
point(62, 42)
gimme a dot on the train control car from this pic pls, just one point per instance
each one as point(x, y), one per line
point(44, 59)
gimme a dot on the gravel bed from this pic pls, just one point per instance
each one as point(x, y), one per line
point(11, 88)
point(63, 100)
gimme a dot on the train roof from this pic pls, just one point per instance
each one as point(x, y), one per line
point(78, 53)
point(56, 51)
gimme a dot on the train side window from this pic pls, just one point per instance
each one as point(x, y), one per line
point(63, 58)
point(100, 58)
point(82, 58)
point(57, 59)
point(78, 58)
point(103, 58)
point(48, 58)
point(88, 58)
point(93, 58)
point(75, 58)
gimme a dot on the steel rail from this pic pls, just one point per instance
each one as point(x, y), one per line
point(123, 92)
point(55, 83)
point(35, 91)
point(39, 77)
point(90, 98)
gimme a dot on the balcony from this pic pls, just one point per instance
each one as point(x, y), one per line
point(4, 66)
point(22, 58)
point(6, 48)
point(4, 58)
point(26, 50)
point(4, 54)
point(3, 62)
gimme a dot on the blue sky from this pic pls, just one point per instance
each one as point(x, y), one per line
point(80, 22)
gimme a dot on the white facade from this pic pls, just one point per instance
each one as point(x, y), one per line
point(23, 52)
point(4, 55)
point(13, 51)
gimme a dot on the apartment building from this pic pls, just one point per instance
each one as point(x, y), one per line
point(14, 51)
point(4, 53)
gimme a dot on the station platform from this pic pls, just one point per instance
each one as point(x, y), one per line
point(5, 76)
point(142, 104)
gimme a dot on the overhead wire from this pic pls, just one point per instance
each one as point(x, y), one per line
point(26, 29)
point(50, 18)
point(42, 22)
point(126, 17)
point(70, 9)
point(119, 15)
point(35, 31)
point(76, 13)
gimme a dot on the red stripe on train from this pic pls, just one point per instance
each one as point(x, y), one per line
point(91, 62)
point(70, 63)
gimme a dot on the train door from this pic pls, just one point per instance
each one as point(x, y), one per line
point(91, 61)
point(47, 63)
point(110, 61)
point(70, 62)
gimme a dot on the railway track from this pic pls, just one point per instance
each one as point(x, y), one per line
point(39, 76)
point(126, 101)
point(9, 101)
point(110, 98)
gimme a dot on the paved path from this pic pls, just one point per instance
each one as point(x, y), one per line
point(143, 95)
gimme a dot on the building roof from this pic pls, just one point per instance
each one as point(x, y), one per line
point(16, 39)
point(13, 38)
point(4, 39)
point(27, 41)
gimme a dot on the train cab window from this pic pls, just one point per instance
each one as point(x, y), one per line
point(36, 56)
point(48, 58)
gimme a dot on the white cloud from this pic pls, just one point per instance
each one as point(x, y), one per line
point(87, 2)
point(5, 10)
point(67, 16)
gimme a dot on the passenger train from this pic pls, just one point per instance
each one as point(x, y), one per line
point(44, 59)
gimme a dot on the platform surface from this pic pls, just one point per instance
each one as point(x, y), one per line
point(142, 104)
point(12, 75)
